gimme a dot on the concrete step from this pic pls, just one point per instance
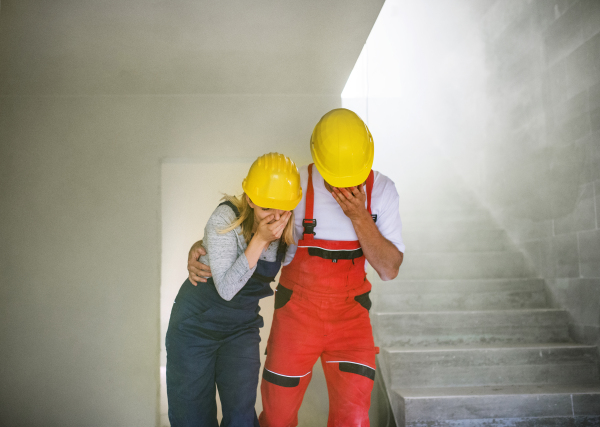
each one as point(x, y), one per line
point(569, 421)
point(487, 366)
point(544, 405)
point(473, 265)
point(449, 295)
point(470, 327)
point(455, 240)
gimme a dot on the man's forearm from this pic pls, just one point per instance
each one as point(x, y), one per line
point(379, 251)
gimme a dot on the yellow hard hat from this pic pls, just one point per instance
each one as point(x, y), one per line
point(273, 182)
point(342, 148)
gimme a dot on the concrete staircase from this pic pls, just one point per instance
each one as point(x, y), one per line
point(466, 335)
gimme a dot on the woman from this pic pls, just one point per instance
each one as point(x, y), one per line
point(213, 333)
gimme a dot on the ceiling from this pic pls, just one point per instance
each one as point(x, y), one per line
point(75, 47)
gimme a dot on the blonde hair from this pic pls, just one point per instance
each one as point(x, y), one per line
point(246, 220)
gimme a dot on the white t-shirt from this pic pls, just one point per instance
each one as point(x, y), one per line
point(333, 224)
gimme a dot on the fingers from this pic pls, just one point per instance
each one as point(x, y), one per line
point(197, 274)
point(352, 195)
point(279, 231)
point(198, 270)
point(346, 193)
point(266, 220)
point(351, 200)
point(282, 222)
point(358, 191)
point(277, 226)
point(196, 254)
point(196, 251)
point(272, 227)
point(340, 198)
point(352, 192)
point(285, 218)
point(200, 273)
point(195, 279)
point(341, 193)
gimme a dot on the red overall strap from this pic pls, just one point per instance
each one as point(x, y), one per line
point(310, 202)
point(310, 195)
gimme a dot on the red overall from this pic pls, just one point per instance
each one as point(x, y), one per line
point(321, 309)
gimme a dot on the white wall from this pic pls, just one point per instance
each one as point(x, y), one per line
point(94, 96)
point(81, 232)
point(420, 85)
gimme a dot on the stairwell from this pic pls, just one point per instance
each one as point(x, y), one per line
point(466, 334)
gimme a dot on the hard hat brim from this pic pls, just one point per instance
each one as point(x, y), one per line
point(284, 205)
point(344, 181)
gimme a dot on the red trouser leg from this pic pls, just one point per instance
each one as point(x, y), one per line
point(337, 330)
point(350, 385)
point(292, 351)
point(349, 364)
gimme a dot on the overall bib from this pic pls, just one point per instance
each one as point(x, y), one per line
point(212, 342)
point(321, 310)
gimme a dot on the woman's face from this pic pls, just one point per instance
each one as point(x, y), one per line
point(261, 213)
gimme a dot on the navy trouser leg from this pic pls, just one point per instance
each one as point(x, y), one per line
point(237, 369)
point(191, 360)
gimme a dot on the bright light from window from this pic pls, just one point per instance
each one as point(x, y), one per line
point(419, 84)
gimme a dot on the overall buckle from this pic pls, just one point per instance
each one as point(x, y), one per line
point(309, 226)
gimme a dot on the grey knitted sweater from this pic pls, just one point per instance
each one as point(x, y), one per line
point(225, 253)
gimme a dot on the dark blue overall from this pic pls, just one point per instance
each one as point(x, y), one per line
point(212, 342)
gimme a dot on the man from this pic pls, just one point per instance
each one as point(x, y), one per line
point(348, 215)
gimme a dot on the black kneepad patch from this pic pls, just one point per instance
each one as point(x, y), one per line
point(355, 368)
point(280, 380)
point(282, 296)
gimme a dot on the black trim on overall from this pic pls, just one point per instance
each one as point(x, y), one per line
point(262, 278)
point(309, 226)
point(327, 254)
point(355, 368)
point(280, 380)
point(282, 296)
point(232, 206)
point(364, 300)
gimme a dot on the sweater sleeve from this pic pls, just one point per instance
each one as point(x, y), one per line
point(230, 271)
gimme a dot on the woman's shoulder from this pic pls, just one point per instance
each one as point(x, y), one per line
point(223, 215)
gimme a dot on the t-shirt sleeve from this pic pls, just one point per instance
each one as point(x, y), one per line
point(389, 222)
point(230, 271)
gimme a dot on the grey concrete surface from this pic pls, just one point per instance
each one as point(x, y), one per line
point(481, 366)
point(470, 295)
